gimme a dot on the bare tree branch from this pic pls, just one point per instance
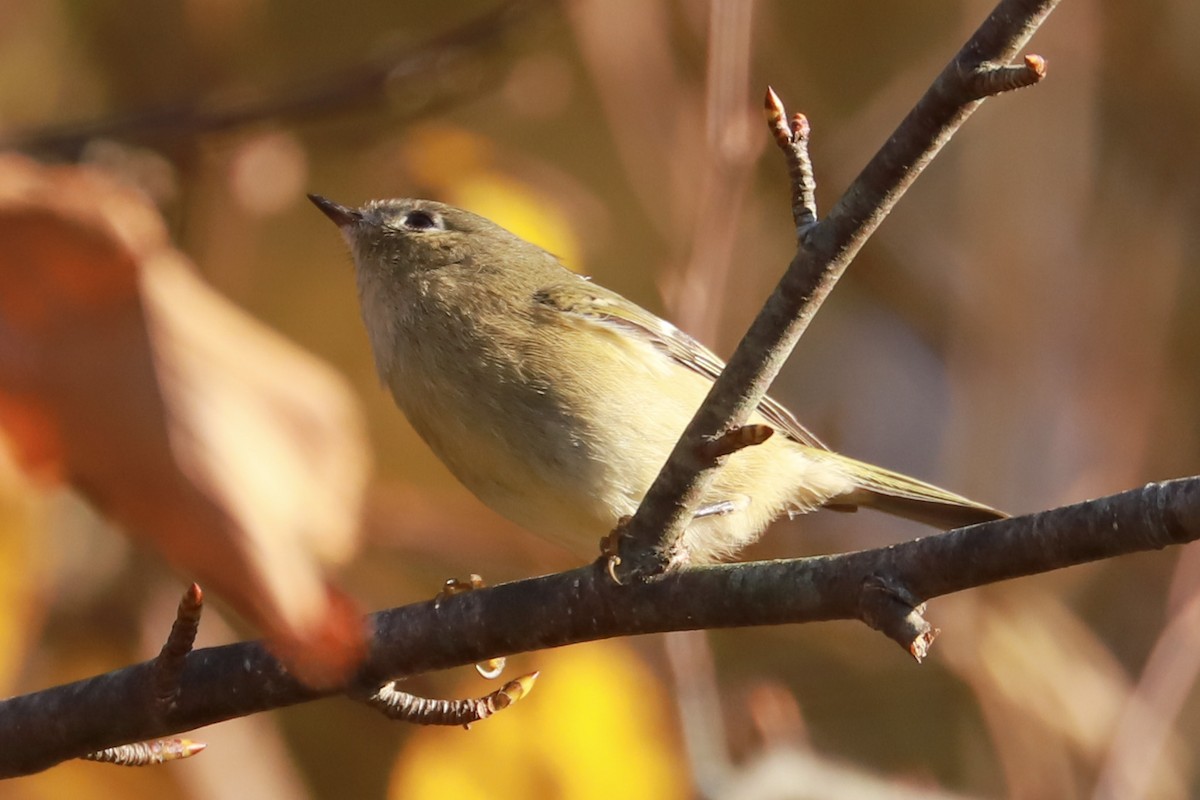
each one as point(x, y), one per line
point(825, 250)
point(41, 729)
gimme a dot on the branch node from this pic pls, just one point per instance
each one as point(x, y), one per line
point(168, 665)
point(404, 707)
point(792, 140)
point(890, 608)
point(987, 80)
point(144, 754)
point(713, 450)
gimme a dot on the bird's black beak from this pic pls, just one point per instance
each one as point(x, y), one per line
point(340, 214)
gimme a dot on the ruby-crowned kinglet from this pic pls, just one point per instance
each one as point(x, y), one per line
point(557, 401)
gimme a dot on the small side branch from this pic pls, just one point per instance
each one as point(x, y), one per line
point(734, 440)
point(888, 607)
point(793, 141)
point(166, 674)
point(404, 707)
point(146, 754)
point(987, 80)
point(168, 666)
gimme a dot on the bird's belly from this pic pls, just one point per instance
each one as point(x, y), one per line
point(533, 462)
point(567, 463)
point(558, 496)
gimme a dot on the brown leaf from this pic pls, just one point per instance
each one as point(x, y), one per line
point(212, 439)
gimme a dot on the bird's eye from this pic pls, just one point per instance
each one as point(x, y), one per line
point(418, 220)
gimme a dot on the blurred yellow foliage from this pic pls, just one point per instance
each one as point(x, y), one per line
point(597, 726)
point(516, 207)
point(461, 168)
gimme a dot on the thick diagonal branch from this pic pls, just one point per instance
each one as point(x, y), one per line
point(827, 248)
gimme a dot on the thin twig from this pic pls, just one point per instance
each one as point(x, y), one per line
point(656, 530)
point(166, 677)
point(889, 608)
point(405, 707)
point(734, 440)
point(145, 754)
point(793, 141)
point(38, 730)
point(168, 666)
point(989, 80)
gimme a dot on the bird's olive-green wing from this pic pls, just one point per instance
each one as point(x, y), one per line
point(598, 306)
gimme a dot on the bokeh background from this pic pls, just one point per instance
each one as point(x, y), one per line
point(1021, 330)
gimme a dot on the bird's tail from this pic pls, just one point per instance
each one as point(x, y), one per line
point(893, 493)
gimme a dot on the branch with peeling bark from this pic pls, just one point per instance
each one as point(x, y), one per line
point(886, 588)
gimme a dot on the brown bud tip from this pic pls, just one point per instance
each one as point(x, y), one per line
point(773, 106)
point(187, 748)
point(513, 691)
point(518, 688)
point(1036, 64)
point(800, 127)
point(919, 647)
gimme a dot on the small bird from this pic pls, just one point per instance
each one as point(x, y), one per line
point(557, 401)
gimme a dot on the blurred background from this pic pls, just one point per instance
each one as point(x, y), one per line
point(1021, 330)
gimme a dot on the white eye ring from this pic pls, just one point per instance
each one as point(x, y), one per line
point(421, 220)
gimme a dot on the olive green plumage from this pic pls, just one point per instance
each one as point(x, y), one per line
point(556, 401)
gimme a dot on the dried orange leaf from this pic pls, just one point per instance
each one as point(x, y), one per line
point(235, 454)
